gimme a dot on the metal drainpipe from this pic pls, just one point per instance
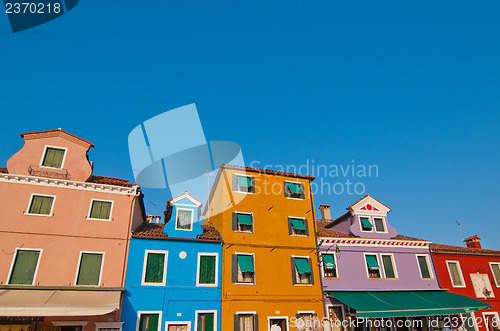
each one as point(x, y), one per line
point(317, 249)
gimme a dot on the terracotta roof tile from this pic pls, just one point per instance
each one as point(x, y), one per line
point(266, 171)
point(210, 233)
point(109, 181)
point(155, 230)
point(441, 248)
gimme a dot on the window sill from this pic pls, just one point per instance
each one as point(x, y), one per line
point(299, 235)
point(243, 192)
point(291, 198)
point(427, 278)
point(98, 219)
point(94, 286)
point(244, 283)
point(152, 284)
point(183, 229)
point(206, 285)
point(303, 284)
point(239, 231)
point(458, 286)
point(331, 278)
point(43, 215)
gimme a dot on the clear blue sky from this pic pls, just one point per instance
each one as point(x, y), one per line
point(413, 87)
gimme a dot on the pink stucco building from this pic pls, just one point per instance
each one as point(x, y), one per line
point(64, 237)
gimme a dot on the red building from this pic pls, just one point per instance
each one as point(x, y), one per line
point(474, 272)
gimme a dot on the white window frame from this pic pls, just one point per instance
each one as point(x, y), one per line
point(196, 312)
point(254, 269)
point(14, 260)
point(337, 305)
point(305, 224)
point(168, 323)
point(101, 219)
point(393, 261)
point(367, 269)
point(253, 223)
point(372, 230)
point(242, 175)
point(269, 318)
point(459, 271)
point(78, 268)
point(429, 266)
point(192, 218)
point(108, 325)
point(322, 267)
point(27, 212)
point(200, 254)
point(473, 320)
point(148, 312)
point(297, 271)
point(497, 281)
point(144, 265)
point(54, 147)
point(490, 313)
point(253, 313)
point(300, 184)
point(384, 221)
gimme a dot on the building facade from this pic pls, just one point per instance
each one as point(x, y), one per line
point(474, 272)
point(371, 271)
point(269, 275)
point(174, 273)
point(64, 237)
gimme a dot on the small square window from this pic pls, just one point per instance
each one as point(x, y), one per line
point(155, 268)
point(379, 224)
point(24, 268)
point(242, 222)
point(184, 219)
point(294, 190)
point(243, 183)
point(205, 321)
point(372, 266)
point(246, 322)
point(302, 270)
point(243, 268)
point(53, 157)
point(41, 205)
point(100, 210)
point(297, 226)
point(366, 225)
point(149, 322)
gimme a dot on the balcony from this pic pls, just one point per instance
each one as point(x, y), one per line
point(35, 170)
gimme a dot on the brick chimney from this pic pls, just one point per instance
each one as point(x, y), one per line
point(473, 242)
point(325, 212)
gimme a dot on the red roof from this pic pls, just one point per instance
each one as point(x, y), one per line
point(56, 130)
point(472, 238)
point(440, 248)
point(155, 230)
point(266, 171)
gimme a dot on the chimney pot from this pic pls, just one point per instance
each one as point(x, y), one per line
point(473, 242)
point(325, 212)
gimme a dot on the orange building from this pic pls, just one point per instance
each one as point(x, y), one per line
point(270, 276)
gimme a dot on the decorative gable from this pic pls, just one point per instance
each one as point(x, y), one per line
point(182, 217)
point(369, 205)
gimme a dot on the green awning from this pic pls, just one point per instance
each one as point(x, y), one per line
point(372, 262)
point(302, 265)
point(295, 188)
point(329, 261)
point(245, 219)
point(407, 303)
point(244, 181)
point(298, 224)
point(366, 222)
point(246, 263)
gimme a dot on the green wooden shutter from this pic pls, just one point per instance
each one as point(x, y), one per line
point(24, 267)
point(388, 267)
point(209, 322)
point(424, 268)
point(100, 210)
point(141, 322)
point(90, 269)
point(155, 264)
point(41, 205)
point(153, 322)
point(207, 269)
point(53, 158)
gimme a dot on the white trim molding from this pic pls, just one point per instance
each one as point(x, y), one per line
point(196, 312)
point(200, 254)
point(100, 270)
point(149, 312)
point(100, 219)
point(65, 149)
point(40, 250)
point(50, 214)
point(459, 269)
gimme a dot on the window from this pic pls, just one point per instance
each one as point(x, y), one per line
point(495, 269)
point(243, 183)
point(468, 320)
point(294, 190)
point(207, 269)
point(389, 266)
point(243, 268)
point(89, 270)
point(302, 270)
point(155, 268)
point(329, 265)
point(178, 326)
point(457, 279)
point(24, 267)
point(148, 322)
point(41, 205)
point(379, 224)
point(242, 222)
point(372, 266)
point(100, 210)
point(278, 323)
point(298, 226)
point(246, 322)
point(491, 321)
point(423, 264)
point(184, 219)
point(53, 157)
point(205, 321)
point(366, 225)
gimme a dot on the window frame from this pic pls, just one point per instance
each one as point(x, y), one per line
point(393, 261)
point(269, 318)
point(490, 313)
point(41, 195)
point(459, 272)
point(297, 274)
point(168, 323)
point(497, 281)
point(148, 312)
point(100, 270)
point(306, 225)
point(323, 267)
point(144, 267)
point(384, 222)
point(286, 190)
point(200, 254)
point(196, 312)
point(252, 181)
point(253, 313)
point(368, 269)
point(53, 147)
point(40, 250)
point(372, 230)
point(101, 219)
point(427, 259)
point(238, 265)
point(238, 224)
point(177, 214)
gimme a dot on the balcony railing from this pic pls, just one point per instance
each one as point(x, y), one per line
point(35, 170)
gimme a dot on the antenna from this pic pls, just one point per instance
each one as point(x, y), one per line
point(154, 206)
point(461, 234)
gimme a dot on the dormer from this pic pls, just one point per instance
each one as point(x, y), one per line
point(366, 218)
point(182, 217)
point(53, 154)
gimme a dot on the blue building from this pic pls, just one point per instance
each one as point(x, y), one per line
point(173, 280)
